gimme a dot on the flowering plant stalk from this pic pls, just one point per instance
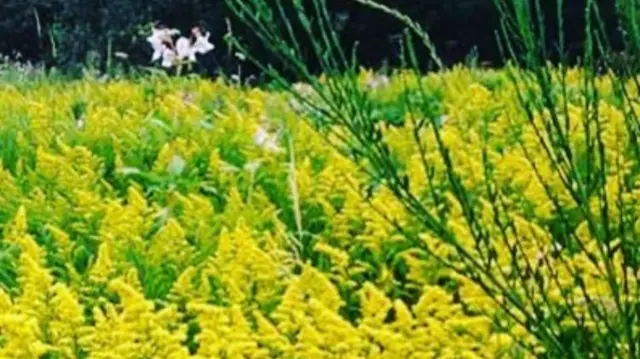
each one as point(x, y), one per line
point(183, 52)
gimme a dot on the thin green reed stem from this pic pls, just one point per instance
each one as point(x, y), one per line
point(605, 209)
point(459, 190)
point(596, 313)
point(481, 237)
point(293, 185)
point(631, 120)
point(463, 201)
point(415, 27)
point(540, 80)
point(492, 293)
point(347, 107)
point(292, 37)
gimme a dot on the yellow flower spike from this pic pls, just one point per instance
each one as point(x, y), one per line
point(197, 212)
point(5, 302)
point(268, 334)
point(103, 267)
point(243, 267)
point(66, 327)
point(164, 157)
point(136, 199)
point(404, 320)
point(35, 282)
point(19, 225)
point(62, 240)
point(183, 286)
point(339, 258)
point(16, 232)
point(132, 279)
point(309, 336)
point(374, 305)
point(170, 243)
point(10, 191)
point(434, 301)
point(128, 295)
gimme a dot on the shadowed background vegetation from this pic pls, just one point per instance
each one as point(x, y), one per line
point(71, 34)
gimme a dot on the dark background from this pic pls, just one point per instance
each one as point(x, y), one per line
point(79, 30)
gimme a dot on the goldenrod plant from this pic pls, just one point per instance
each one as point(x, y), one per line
point(156, 219)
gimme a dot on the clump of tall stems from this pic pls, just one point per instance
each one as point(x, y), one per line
point(345, 112)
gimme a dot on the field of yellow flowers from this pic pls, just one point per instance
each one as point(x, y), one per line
point(187, 218)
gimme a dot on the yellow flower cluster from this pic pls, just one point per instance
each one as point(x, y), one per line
point(152, 222)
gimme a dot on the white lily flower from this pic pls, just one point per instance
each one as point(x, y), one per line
point(252, 166)
point(158, 48)
point(202, 44)
point(128, 171)
point(184, 50)
point(261, 136)
point(163, 50)
point(272, 146)
point(177, 165)
point(303, 89)
point(557, 247)
point(168, 57)
point(378, 81)
point(266, 140)
point(165, 34)
point(442, 119)
point(158, 40)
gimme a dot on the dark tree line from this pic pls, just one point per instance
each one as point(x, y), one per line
point(71, 33)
